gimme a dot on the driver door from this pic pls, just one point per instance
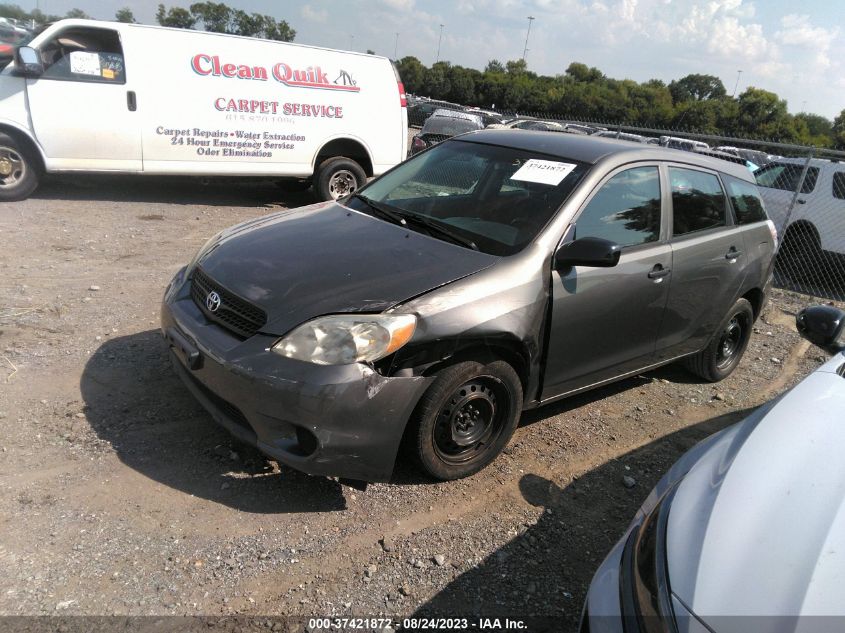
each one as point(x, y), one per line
point(82, 106)
point(605, 321)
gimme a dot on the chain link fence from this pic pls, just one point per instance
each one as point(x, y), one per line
point(803, 187)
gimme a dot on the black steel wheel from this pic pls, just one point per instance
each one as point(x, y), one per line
point(721, 356)
point(466, 418)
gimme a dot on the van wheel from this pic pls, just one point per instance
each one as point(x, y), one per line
point(801, 251)
point(721, 356)
point(338, 177)
point(18, 170)
point(466, 418)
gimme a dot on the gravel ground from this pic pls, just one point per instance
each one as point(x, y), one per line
point(118, 494)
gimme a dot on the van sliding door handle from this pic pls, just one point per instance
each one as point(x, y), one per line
point(131, 101)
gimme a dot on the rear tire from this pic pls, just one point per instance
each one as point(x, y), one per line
point(800, 253)
point(19, 170)
point(465, 419)
point(337, 177)
point(723, 353)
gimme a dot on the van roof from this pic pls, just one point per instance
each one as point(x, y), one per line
point(592, 149)
point(121, 25)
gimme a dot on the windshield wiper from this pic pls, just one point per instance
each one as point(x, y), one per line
point(393, 216)
point(403, 216)
point(439, 227)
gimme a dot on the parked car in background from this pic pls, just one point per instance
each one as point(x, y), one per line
point(746, 532)
point(420, 109)
point(444, 124)
point(12, 35)
point(511, 123)
point(496, 272)
point(816, 226)
point(488, 117)
point(623, 136)
point(165, 101)
point(688, 145)
point(579, 128)
point(755, 156)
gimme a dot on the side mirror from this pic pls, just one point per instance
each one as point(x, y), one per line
point(28, 62)
point(823, 326)
point(588, 251)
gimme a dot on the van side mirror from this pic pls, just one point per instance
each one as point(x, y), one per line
point(823, 326)
point(588, 251)
point(28, 62)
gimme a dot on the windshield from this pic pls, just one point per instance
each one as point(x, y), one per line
point(490, 195)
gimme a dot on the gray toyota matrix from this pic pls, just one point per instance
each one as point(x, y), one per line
point(494, 273)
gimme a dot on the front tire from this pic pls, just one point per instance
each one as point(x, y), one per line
point(18, 170)
point(337, 177)
point(722, 355)
point(466, 418)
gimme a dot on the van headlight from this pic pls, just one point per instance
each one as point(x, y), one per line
point(343, 339)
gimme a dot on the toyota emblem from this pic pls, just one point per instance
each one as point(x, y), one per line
point(212, 301)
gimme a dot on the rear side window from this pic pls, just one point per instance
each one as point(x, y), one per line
point(746, 201)
point(698, 202)
point(839, 185)
point(84, 54)
point(786, 176)
point(626, 209)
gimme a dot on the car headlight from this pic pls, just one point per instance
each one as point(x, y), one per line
point(343, 339)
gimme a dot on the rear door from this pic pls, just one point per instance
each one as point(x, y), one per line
point(81, 106)
point(708, 261)
point(605, 321)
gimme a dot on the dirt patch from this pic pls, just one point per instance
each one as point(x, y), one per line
point(120, 496)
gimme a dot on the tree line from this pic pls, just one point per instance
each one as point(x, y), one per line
point(695, 103)
point(215, 17)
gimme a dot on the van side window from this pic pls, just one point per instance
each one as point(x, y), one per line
point(785, 176)
point(839, 185)
point(746, 201)
point(626, 209)
point(84, 54)
point(698, 202)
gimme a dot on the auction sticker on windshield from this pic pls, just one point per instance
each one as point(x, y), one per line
point(547, 172)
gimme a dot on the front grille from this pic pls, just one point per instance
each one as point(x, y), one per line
point(235, 314)
point(841, 370)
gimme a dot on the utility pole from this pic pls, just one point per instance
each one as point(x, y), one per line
point(396, 46)
point(439, 39)
point(525, 50)
point(736, 85)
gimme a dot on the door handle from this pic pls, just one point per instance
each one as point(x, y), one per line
point(658, 272)
point(801, 201)
point(131, 101)
point(732, 253)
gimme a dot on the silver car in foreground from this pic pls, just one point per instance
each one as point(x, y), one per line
point(746, 532)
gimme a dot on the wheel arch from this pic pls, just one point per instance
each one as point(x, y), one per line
point(349, 147)
point(24, 137)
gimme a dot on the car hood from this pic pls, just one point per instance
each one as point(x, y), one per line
point(757, 526)
point(326, 258)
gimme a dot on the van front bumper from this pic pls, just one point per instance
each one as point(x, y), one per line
point(334, 420)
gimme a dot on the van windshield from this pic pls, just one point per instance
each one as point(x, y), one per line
point(497, 198)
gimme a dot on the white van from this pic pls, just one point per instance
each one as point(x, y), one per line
point(817, 222)
point(90, 96)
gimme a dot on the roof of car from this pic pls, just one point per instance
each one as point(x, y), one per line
point(591, 149)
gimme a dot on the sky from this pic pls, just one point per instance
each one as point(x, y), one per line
point(795, 49)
